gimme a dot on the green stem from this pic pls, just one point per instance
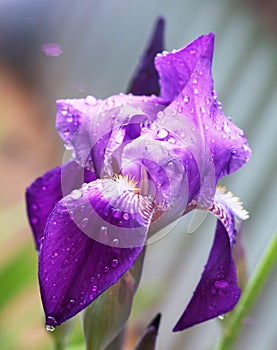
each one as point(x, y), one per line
point(248, 296)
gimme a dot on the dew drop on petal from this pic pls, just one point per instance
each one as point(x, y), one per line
point(186, 99)
point(84, 222)
point(34, 206)
point(94, 288)
point(125, 216)
point(69, 118)
point(91, 100)
point(34, 220)
point(70, 304)
point(172, 140)
point(51, 324)
point(116, 241)
point(221, 317)
point(194, 81)
point(160, 114)
point(221, 284)
point(162, 133)
point(114, 263)
point(203, 109)
point(76, 194)
point(106, 269)
point(195, 91)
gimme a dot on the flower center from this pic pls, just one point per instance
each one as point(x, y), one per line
point(127, 183)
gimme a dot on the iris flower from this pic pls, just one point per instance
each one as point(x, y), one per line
point(139, 161)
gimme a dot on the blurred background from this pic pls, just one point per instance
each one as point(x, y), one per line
point(95, 46)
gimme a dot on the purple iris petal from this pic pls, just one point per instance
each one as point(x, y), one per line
point(96, 142)
point(45, 192)
point(222, 141)
point(218, 291)
point(146, 78)
point(75, 268)
point(176, 67)
point(89, 129)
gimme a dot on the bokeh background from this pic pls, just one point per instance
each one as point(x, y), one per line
point(101, 43)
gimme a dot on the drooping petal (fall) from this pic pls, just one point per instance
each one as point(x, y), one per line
point(146, 78)
point(217, 291)
point(92, 237)
point(46, 191)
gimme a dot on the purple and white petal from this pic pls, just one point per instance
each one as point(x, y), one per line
point(72, 113)
point(99, 141)
point(175, 68)
point(46, 191)
point(170, 175)
point(146, 78)
point(92, 237)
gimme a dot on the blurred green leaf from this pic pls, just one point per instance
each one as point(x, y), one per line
point(106, 317)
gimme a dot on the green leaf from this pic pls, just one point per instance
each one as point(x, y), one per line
point(62, 333)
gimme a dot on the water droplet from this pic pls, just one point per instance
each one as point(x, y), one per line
point(49, 328)
point(76, 194)
point(103, 229)
point(221, 317)
point(206, 127)
point(94, 288)
point(66, 132)
point(51, 324)
point(203, 109)
point(34, 206)
point(84, 222)
point(114, 263)
point(116, 214)
point(44, 188)
point(98, 276)
point(68, 146)
point(192, 51)
point(34, 220)
point(160, 114)
point(69, 118)
point(162, 133)
point(91, 100)
point(221, 284)
point(106, 269)
point(125, 216)
point(214, 94)
point(195, 91)
point(245, 148)
point(186, 99)
point(194, 81)
point(172, 140)
point(70, 304)
point(208, 100)
point(116, 241)
point(226, 127)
